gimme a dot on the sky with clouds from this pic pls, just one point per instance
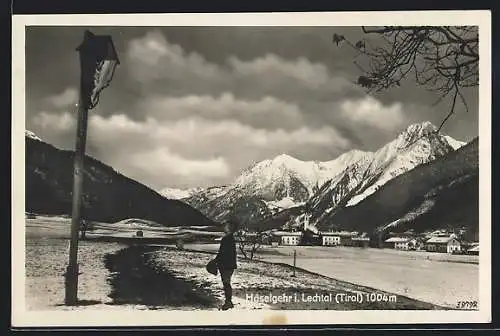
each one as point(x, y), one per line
point(194, 106)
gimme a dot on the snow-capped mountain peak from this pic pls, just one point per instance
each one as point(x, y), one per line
point(31, 135)
point(418, 144)
point(289, 181)
point(345, 159)
point(284, 158)
point(415, 132)
point(174, 193)
point(270, 186)
point(420, 128)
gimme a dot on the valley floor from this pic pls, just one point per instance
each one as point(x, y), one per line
point(164, 278)
point(122, 276)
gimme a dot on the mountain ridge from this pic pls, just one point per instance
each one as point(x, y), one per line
point(108, 196)
point(178, 194)
point(285, 182)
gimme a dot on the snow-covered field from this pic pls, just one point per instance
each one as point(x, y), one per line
point(438, 278)
point(54, 226)
point(46, 253)
point(259, 278)
point(46, 260)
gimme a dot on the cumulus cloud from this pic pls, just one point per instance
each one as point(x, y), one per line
point(193, 150)
point(69, 97)
point(302, 70)
point(207, 135)
point(58, 122)
point(162, 159)
point(152, 58)
point(371, 112)
point(266, 112)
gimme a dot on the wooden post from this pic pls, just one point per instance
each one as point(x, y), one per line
point(71, 280)
point(94, 52)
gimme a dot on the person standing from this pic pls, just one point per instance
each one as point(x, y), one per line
point(226, 262)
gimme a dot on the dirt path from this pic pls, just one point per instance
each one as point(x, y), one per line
point(135, 280)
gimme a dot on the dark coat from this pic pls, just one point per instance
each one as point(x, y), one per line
point(226, 257)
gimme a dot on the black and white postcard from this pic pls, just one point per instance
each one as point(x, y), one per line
point(249, 169)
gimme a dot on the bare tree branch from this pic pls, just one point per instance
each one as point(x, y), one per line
point(249, 242)
point(452, 110)
point(444, 59)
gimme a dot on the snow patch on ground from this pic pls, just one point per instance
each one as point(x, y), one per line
point(46, 261)
point(284, 203)
point(455, 144)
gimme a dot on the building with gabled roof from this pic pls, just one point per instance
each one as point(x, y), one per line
point(473, 250)
point(448, 244)
point(400, 243)
point(360, 241)
point(330, 238)
point(288, 237)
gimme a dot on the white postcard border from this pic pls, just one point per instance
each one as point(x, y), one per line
point(24, 318)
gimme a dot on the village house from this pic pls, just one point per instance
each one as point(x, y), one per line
point(398, 243)
point(360, 241)
point(346, 237)
point(291, 239)
point(447, 244)
point(269, 238)
point(330, 238)
point(288, 238)
point(417, 243)
point(473, 250)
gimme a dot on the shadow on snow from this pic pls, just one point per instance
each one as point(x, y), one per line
point(135, 280)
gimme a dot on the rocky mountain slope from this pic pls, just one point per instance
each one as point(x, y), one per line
point(416, 145)
point(107, 195)
point(443, 193)
point(274, 186)
point(287, 178)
